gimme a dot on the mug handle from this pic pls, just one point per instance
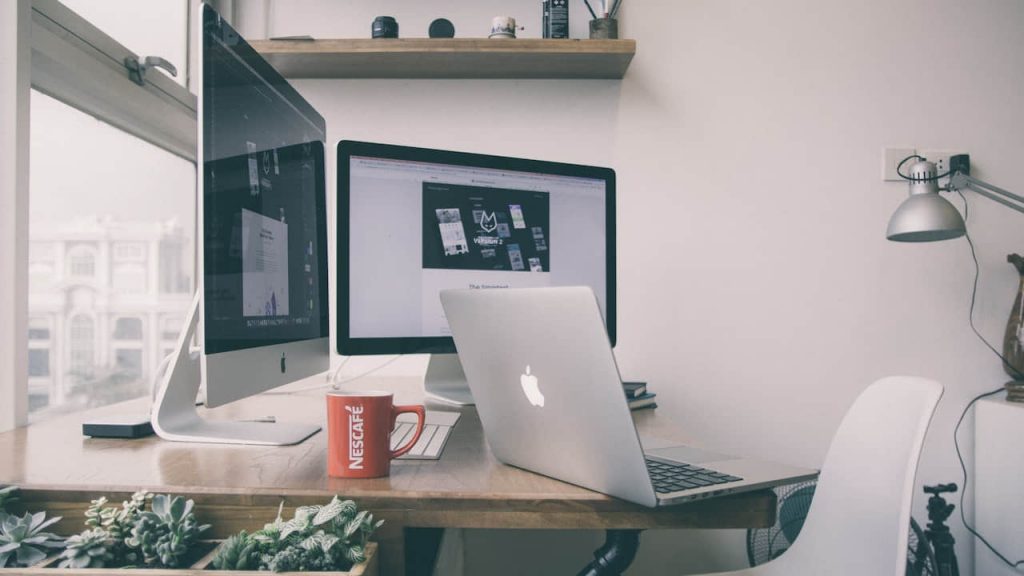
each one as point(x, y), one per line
point(422, 413)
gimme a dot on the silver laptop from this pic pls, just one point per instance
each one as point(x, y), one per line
point(550, 399)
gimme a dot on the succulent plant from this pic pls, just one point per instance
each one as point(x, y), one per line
point(8, 494)
point(166, 534)
point(316, 538)
point(90, 549)
point(118, 524)
point(239, 552)
point(22, 540)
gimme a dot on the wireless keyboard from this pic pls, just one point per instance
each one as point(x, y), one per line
point(438, 426)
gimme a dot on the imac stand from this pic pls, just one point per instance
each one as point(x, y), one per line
point(445, 380)
point(174, 415)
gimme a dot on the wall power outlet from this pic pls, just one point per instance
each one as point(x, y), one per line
point(940, 158)
point(892, 157)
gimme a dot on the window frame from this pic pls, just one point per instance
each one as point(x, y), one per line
point(80, 65)
point(47, 47)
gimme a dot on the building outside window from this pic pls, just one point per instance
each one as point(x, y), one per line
point(116, 328)
point(111, 213)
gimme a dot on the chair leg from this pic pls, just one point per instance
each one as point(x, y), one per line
point(615, 555)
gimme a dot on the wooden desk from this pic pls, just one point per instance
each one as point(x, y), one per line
point(240, 487)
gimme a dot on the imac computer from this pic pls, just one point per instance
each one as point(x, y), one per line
point(262, 299)
point(412, 222)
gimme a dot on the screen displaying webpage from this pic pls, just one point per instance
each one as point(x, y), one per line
point(264, 213)
point(418, 228)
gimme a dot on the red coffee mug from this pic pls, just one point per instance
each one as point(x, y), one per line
point(359, 426)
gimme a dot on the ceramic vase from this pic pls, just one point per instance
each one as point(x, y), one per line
point(1013, 341)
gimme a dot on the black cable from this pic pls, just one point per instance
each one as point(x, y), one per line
point(905, 177)
point(956, 430)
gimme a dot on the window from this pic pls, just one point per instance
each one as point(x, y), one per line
point(38, 362)
point(128, 329)
point(82, 263)
point(129, 252)
point(107, 225)
point(111, 177)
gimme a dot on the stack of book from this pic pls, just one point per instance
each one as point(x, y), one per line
point(638, 397)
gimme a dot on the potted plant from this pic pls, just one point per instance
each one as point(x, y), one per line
point(166, 535)
point(333, 537)
point(23, 539)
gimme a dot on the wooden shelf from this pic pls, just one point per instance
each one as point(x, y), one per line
point(448, 58)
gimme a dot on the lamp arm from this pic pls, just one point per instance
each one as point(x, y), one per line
point(959, 181)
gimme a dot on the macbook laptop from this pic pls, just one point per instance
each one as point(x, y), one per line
point(550, 399)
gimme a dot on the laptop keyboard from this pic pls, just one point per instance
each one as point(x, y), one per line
point(675, 477)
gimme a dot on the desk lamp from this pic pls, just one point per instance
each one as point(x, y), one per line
point(926, 217)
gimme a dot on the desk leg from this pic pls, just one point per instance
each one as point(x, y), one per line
point(615, 555)
point(421, 548)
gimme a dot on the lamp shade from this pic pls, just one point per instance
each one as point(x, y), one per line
point(925, 217)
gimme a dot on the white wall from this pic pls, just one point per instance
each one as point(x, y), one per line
point(757, 292)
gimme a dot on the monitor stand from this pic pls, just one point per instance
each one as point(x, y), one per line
point(445, 380)
point(174, 415)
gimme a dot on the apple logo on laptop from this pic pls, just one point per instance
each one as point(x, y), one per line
point(531, 389)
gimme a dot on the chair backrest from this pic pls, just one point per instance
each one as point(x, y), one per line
point(860, 515)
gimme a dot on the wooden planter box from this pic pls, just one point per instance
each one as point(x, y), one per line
point(199, 568)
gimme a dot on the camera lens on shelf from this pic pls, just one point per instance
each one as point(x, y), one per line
point(441, 28)
point(385, 27)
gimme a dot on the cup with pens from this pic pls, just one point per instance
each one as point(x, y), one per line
point(605, 26)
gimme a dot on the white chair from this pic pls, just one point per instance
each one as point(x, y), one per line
point(858, 521)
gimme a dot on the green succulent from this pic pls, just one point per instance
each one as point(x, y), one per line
point(90, 549)
point(118, 524)
point(165, 535)
point(8, 494)
point(316, 538)
point(118, 521)
point(239, 552)
point(287, 560)
point(22, 540)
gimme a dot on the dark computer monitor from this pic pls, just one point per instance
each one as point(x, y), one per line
point(263, 300)
point(414, 221)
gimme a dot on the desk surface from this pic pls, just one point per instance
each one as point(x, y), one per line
point(242, 486)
